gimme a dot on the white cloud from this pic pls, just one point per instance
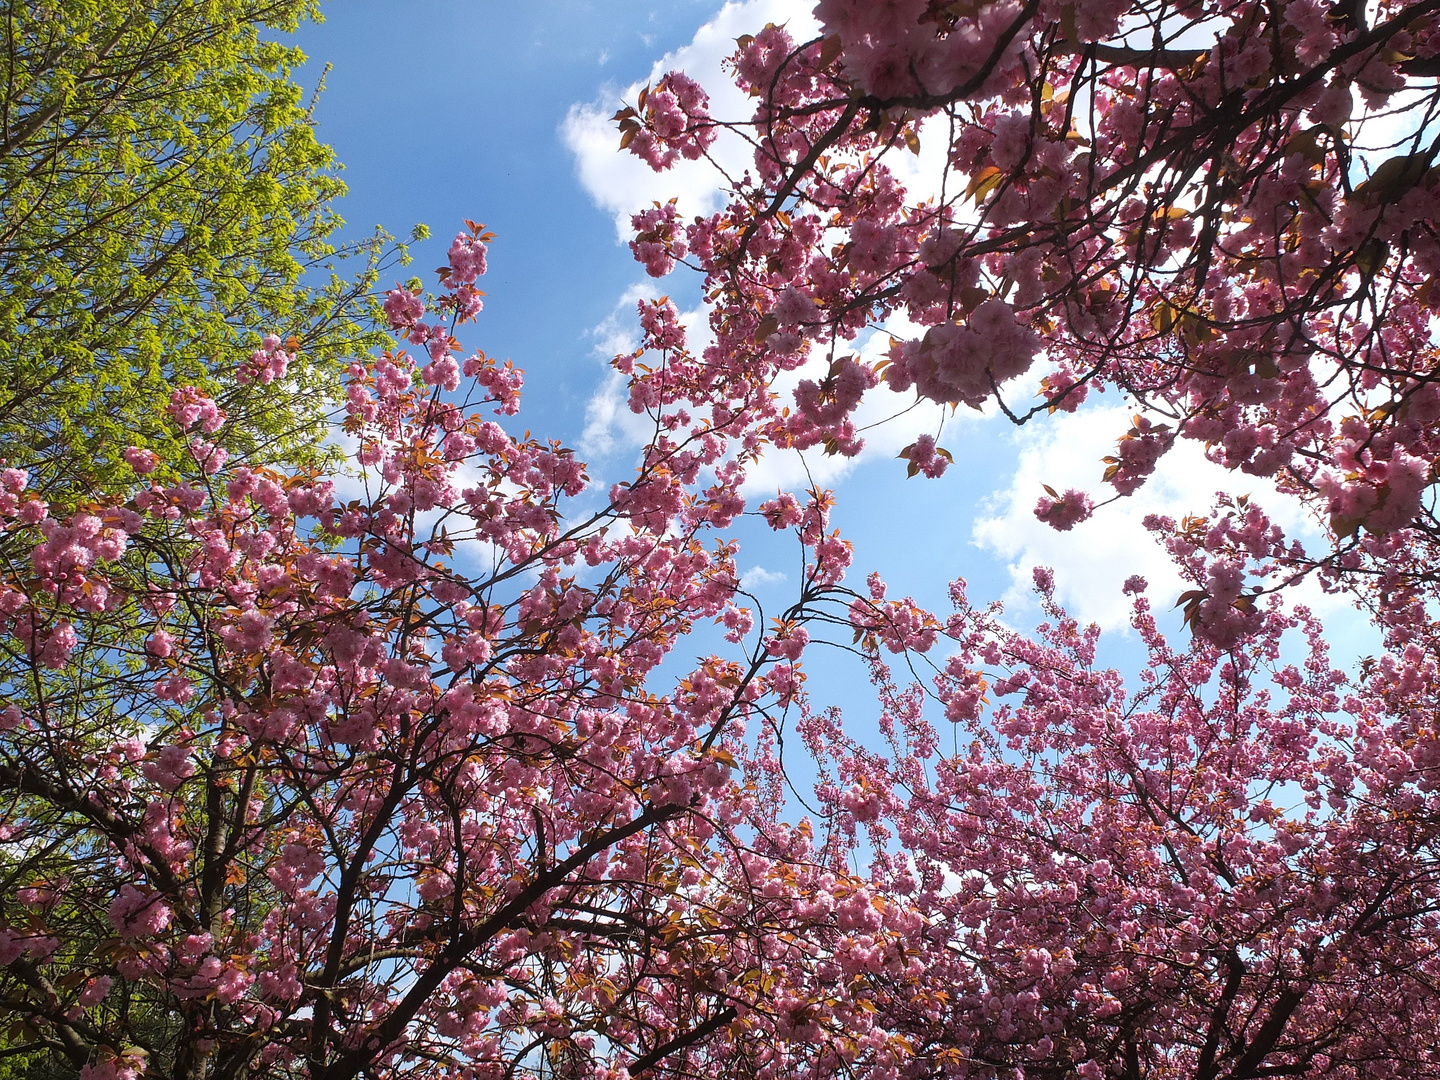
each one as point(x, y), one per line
point(349, 478)
point(1092, 561)
point(757, 576)
point(622, 184)
point(609, 423)
point(888, 421)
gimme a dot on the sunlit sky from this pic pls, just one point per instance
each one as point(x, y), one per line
point(443, 110)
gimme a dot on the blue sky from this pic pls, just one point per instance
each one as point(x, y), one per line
point(443, 110)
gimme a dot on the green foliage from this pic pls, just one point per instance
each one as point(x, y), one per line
point(163, 203)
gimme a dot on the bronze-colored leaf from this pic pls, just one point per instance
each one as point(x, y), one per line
point(984, 182)
point(1371, 255)
point(1392, 178)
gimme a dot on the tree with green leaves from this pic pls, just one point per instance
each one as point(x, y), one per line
point(163, 202)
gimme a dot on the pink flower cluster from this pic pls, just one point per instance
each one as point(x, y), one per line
point(1064, 512)
point(659, 241)
point(142, 461)
point(467, 258)
point(135, 913)
point(677, 122)
point(1380, 493)
point(403, 308)
point(891, 49)
point(267, 363)
point(190, 408)
point(925, 457)
point(965, 363)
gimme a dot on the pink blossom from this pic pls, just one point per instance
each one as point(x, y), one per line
point(925, 457)
point(467, 260)
point(32, 511)
point(443, 372)
point(190, 408)
point(267, 363)
point(965, 363)
point(1064, 512)
point(789, 643)
point(250, 633)
point(403, 308)
point(57, 645)
point(171, 768)
point(160, 644)
point(142, 461)
point(137, 914)
point(95, 990)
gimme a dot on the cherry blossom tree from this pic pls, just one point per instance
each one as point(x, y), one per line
point(1228, 869)
point(400, 771)
point(408, 770)
point(1225, 211)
